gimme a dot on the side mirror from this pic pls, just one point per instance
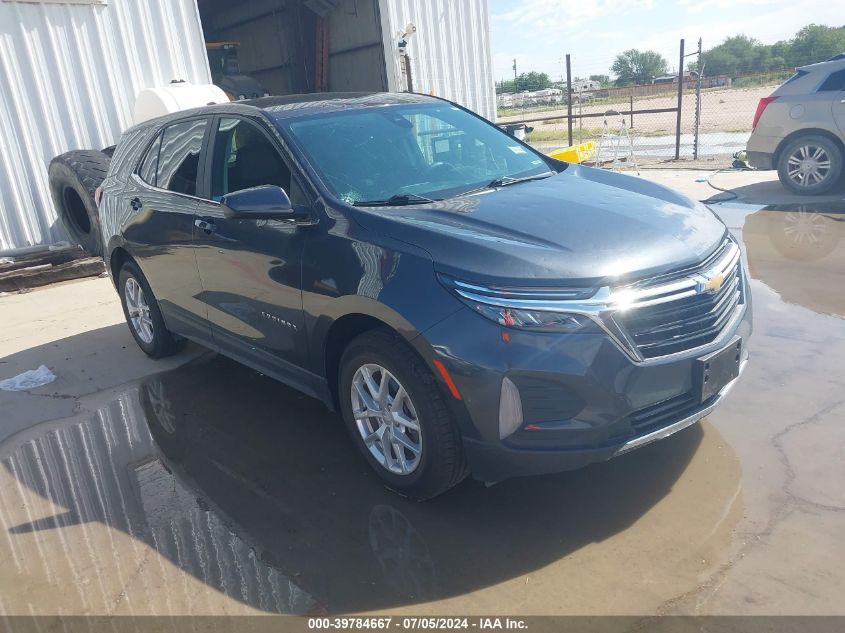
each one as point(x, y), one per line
point(267, 202)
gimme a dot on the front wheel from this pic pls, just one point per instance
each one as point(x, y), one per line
point(810, 165)
point(398, 417)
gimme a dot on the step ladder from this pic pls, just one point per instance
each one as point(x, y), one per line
point(616, 146)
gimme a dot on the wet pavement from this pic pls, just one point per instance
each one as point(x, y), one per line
point(210, 489)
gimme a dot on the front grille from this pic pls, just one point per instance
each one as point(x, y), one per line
point(663, 414)
point(669, 325)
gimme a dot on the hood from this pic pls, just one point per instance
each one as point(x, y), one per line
point(583, 224)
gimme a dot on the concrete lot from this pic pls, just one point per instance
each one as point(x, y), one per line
point(197, 486)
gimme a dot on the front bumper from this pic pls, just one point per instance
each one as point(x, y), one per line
point(491, 462)
point(583, 399)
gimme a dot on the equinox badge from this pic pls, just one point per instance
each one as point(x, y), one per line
point(278, 320)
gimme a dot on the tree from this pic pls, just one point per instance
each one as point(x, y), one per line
point(816, 43)
point(602, 80)
point(736, 54)
point(525, 81)
point(739, 53)
point(638, 67)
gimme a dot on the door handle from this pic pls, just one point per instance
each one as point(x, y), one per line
point(136, 203)
point(205, 225)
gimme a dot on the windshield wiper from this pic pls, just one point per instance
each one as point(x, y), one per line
point(398, 200)
point(506, 181)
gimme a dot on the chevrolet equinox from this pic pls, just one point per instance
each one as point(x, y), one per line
point(465, 302)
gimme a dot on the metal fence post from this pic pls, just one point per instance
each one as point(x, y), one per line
point(695, 146)
point(680, 102)
point(631, 107)
point(569, 99)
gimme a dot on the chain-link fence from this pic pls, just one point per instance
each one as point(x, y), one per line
point(716, 113)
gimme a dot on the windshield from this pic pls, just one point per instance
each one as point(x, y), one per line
point(419, 152)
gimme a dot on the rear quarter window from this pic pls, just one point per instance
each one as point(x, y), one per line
point(178, 160)
point(149, 164)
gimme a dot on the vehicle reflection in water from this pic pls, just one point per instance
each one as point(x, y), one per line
point(254, 490)
point(799, 251)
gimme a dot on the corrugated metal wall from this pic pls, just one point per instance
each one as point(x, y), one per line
point(356, 50)
point(69, 74)
point(450, 52)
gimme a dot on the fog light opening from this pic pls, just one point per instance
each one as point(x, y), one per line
point(510, 409)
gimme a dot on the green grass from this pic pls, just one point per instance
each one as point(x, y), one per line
point(766, 79)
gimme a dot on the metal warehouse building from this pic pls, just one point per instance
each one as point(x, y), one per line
point(70, 70)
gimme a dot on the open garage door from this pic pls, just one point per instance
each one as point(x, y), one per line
point(301, 46)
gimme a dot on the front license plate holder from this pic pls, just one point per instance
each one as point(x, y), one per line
point(712, 372)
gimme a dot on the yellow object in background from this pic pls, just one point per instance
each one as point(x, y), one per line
point(575, 153)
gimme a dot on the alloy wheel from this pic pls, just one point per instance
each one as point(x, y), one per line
point(138, 310)
point(386, 418)
point(808, 165)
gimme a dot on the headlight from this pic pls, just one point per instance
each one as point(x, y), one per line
point(531, 319)
point(507, 306)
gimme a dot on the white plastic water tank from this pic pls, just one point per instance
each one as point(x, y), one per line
point(176, 96)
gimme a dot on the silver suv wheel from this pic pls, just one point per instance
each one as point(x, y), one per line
point(138, 310)
point(386, 419)
point(808, 165)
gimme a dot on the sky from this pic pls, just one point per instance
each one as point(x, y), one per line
point(539, 33)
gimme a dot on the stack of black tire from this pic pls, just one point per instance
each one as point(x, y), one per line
point(74, 177)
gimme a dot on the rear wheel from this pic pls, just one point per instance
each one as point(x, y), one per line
point(810, 165)
point(143, 315)
point(398, 417)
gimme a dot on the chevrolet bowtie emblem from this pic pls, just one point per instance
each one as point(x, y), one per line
point(710, 284)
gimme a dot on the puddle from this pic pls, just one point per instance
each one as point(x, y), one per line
point(796, 250)
point(212, 489)
point(799, 251)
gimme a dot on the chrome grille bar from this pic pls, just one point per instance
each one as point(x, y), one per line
point(701, 303)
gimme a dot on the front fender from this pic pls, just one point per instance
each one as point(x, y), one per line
point(373, 276)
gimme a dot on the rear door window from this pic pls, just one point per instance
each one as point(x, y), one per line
point(179, 156)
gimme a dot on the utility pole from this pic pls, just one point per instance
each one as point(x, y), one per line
point(514, 75)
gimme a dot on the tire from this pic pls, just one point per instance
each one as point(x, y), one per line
point(440, 464)
point(806, 149)
point(74, 177)
point(154, 339)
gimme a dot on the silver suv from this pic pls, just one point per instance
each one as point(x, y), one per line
point(800, 128)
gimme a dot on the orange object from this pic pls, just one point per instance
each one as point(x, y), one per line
point(453, 389)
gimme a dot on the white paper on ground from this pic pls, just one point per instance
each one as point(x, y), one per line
point(28, 380)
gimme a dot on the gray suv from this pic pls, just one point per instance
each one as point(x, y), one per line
point(464, 302)
point(799, 129)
